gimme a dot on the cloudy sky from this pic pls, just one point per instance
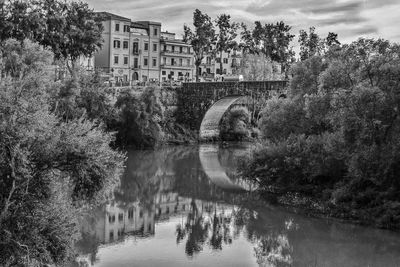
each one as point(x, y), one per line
point(349, 18)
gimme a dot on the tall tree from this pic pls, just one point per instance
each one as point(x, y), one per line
point(270, 40)
point(310, 44)
point(201, 38)
point(225, 38)
point(73, 30)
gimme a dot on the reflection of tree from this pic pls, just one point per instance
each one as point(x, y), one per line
point(196, 228)
point(268, 233)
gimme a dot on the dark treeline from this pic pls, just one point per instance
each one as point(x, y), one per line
point(336, 138)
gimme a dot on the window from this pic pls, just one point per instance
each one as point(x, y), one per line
point(117, 27)
point(141, 214)
point(224, 71)
point(208, 60)
point(173, 48)
point(135, 62)
point(125, 45)
point(130, 213)
point(146, 46)
point(146, 61)
point(188, 62)
point(218, 60)
point(117, 44)
point(173, 61)
point(172, 73)
point(164, 60)
point(125, 60)
point(135, 47)
point(167, 211)
point(225, 61)
point(208, 70)
point(165, 47)
point(180, 62)
point(154, 62)
point(116, 59)
point(112, 235)
point(183, 207)
point(120, 217)
point(164, 72)
point(126, 28)
point(155, 31)
point(181, 49)
point(217, 71)
point(154, 47)
point(111, 218)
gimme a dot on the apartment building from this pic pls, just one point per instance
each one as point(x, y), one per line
point(177, 59)
point(130, 50)
point(137, 51)
point(210, 66)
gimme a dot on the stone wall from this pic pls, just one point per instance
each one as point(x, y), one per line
point(194, 99)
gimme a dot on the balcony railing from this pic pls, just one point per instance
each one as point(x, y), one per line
point(137, 52)
point(136, 67)
point(177, 52)
point(176, 65)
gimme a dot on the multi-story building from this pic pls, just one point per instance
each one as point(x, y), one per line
point(137, 51)
point(130, 50)
point(177, 59)
point(210, 66)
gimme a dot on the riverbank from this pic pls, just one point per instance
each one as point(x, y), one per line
point(318, 208)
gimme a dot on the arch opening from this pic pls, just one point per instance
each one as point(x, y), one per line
point(210, 125)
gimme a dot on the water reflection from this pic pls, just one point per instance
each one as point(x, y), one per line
point(168, 211)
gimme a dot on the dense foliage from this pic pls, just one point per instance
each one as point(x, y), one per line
point(336, 138)
point(49, 162)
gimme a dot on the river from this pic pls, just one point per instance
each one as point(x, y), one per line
point(185, 206)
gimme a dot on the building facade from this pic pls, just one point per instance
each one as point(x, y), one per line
point(137, 51)
point(177, 59)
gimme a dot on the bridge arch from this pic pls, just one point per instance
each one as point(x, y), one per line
point(210, 125)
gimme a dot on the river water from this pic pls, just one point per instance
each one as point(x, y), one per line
point(185, 206)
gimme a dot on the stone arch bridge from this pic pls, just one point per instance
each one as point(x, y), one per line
point(201, 106)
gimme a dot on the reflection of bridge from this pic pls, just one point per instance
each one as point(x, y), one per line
point(212, 167)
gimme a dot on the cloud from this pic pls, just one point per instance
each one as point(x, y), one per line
point(351, 19)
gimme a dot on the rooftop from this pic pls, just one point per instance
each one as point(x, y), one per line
point(108, 15)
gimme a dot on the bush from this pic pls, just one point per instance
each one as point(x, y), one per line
point(234, 124)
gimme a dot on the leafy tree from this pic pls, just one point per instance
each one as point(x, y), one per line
point(73, 30)
point(332, 39)
point(269, 40)
point(139, 120)
point(201, 38)
point(225, 38)
point(310, 44)
point(45, 167)
point(234, 125)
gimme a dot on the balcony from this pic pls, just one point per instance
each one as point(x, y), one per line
point(177, 53)
point(181, 66)
point(137, 52)
point(136, 67)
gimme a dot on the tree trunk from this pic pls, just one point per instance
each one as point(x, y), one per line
point(197, 64)
point(221, 65)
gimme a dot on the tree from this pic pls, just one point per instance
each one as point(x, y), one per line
point(225, 38)
point(73, 30)
point(201, 38)
point(269, 40)
point(310, 44)
point(139, 120)
point(46, 166)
